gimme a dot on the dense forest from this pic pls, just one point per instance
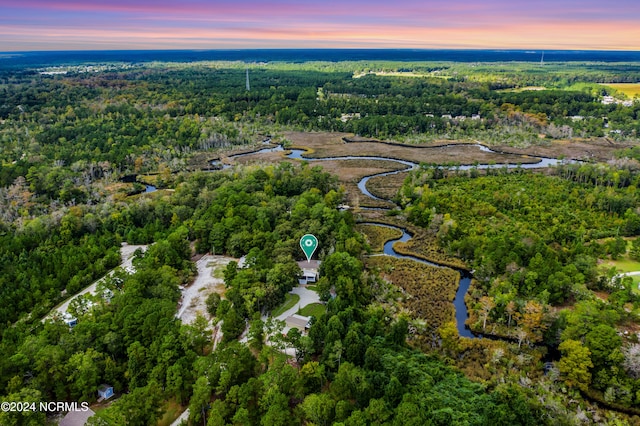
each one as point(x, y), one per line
point(103, 123)
point(534, 241)
point(560, 322)
point(354, 366)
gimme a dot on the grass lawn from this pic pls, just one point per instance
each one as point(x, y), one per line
point(313, 310)
point(218, 272)
point(623, 264)
point(312, 287)
point(289, 302)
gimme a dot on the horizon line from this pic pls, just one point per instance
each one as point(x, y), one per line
point(414, 49)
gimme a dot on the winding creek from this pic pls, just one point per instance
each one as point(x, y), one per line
point(461, 311)
point(462, 314)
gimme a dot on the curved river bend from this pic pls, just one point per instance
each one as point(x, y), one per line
point(462, 313)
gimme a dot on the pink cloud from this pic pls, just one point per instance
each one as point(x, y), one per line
point(589, 24)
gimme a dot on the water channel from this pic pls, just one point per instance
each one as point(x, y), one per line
point(460, 307)
point(461, 311)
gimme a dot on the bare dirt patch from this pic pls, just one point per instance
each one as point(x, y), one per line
point(194, 297)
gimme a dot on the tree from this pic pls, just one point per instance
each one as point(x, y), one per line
point(213, 300)
point(449, 338)
point(532, 320)
point(377, 412)
point(632, 360)
point(84, 373)
point(617, 247)
point(177, 380)
point(198, 333)
point(140, 407)
point(217, 413)
point(344, 271)
point(575, 364)
point(233, 325)
point(511, 309)
point(24, 417)
point(200, 400)
point(312, 377)
point(486, 304)
point(634, 253)
point(319, 408)
point(602, 341)
point(275, 406)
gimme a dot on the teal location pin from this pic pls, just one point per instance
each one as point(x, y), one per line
point(308, 244)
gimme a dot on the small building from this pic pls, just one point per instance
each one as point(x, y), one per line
point(309, 271)
point(308, 276)
point(70, 320)
point(105, 392)
point(298, 321)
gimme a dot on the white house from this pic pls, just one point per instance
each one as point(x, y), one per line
point(309, 271)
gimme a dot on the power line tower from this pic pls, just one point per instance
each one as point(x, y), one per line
point(248, 86)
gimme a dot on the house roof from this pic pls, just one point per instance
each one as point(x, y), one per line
point(296, 320)
point(309, 264)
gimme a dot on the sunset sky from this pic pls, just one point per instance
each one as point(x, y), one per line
point(237, 24)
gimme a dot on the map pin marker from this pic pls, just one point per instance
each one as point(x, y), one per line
point(308, 244)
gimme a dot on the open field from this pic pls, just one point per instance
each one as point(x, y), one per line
point(401, 74)
point(522, 89)
point(461, 153)
point(624, 265)
point(629, 89)
point(575, 149)
point(350, 172)
point(423, 243)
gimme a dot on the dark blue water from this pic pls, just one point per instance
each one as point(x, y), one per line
point(461, 311)
point(36, 59)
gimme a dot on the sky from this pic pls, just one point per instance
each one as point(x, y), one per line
point(27, 25)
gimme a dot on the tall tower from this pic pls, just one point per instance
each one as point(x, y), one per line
point(248, 87)
point(541, 59)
